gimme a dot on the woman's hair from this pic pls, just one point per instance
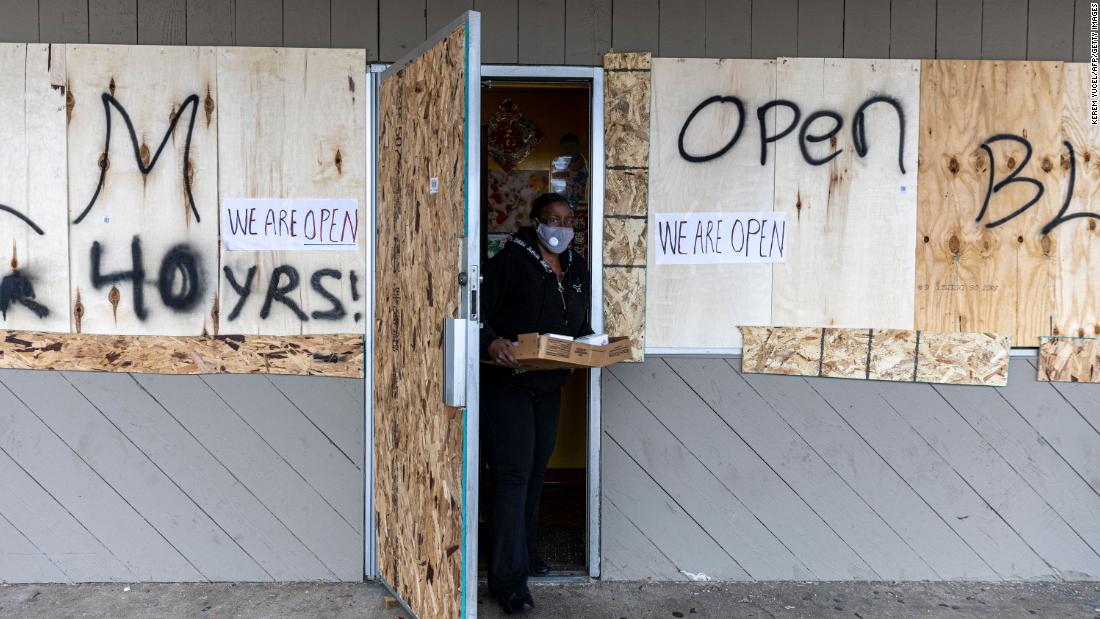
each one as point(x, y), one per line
point(543, 202)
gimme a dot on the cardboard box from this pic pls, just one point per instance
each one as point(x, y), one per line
point(543, 352)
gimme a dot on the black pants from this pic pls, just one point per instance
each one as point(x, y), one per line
point(520, 428)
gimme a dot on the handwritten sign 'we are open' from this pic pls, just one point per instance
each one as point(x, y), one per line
point(721, 238)
point(274, 224)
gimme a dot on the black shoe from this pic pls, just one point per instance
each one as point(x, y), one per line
point(514, 603)
point(538, 567)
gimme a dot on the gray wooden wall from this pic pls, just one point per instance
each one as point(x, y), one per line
point(127, 477)
point(752, 477)
point(579, 31)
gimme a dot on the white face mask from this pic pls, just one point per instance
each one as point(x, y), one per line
point(554, 238)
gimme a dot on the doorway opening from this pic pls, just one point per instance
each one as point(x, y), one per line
point(537, 136)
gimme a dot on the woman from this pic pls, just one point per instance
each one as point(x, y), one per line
point(536, 284)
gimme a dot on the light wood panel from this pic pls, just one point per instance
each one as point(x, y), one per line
point(850, 218)
point(34, 227)
point(131, 208)
point(418, 442)
point(293, 125)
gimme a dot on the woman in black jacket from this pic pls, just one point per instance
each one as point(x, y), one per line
point(536, 284)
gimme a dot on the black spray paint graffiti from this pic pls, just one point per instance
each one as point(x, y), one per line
point(805, 137)
point(146, 166)
point(16, 288)
point(179, 280)
point(1014, 177)
point(284, 280)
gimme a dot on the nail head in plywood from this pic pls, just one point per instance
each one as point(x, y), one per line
point(844, 353)
point(1068, 359)
point(624, 305)
point(893, 355)
point(792, 351)
point(963, 358)
point(306, 355)
point(624, 241)
point(627, 192)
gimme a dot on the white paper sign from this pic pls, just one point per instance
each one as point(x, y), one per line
point(720, 238)
point(290, 224)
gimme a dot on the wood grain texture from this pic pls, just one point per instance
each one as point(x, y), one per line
point(624, 241)
point(1069, 359)
point(153, 210)
point(418, 441)
point(306, 355)
point(963, 358)
point(624, 300)
point(32, 114)
point(790, 351)
point(845, 353)
point(626, 118)
point(628, 61)
point(627, 192)
point(293, 126)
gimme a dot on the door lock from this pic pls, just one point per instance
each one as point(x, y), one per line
point(463, 279)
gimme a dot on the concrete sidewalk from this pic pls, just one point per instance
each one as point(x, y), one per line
point(611, 600)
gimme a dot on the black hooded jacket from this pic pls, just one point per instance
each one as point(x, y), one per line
point(520, 294)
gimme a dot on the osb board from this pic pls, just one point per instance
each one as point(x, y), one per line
point(419, 441)
point(624, 294)
point(963, 358)
point(850, 220)
point(626, 113)
point(738, 293)
point(34, 226)
point(316, 355)
point(895, 354)
point(845, 353)
point(292, 125)
point(993, 270)
point(627, 61)
point(1069, 359)
point(791, 351)
point(627, 192)
point(162, 220)
point(624, 241)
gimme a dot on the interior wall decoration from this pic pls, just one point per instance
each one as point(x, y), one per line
point(512, 135)
point(510, 195)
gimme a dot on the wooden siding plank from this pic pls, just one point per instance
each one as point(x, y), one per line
point(54, 530)
point(812, 408)
point(1004, 29)
point(63, 21)
point(112, 21)
point(260, 22)
point(501, 19)
point(402, 26)
point(681, 29)
point(913, 29)
point(743, 406)
point(821, 28)
point(729, 29)
point(210, 22)
point(1082, 21)
point(958, 28)
point(722, 449)
point(20, 23)
point(866, 29)
point(334, 406)
point(76, 486)
point(153, 429)
point(297, 441)
point(661, 519)
point(22, 561)
point(541, 31)
point(708, 499)
point(1001, 487)
point(635, 26)
point(627, 553)
point(141, 483)
point(162, 22)
point(442, 12)
point(587, 31)
point(355, 25)
point(270, 478)
point(307, 23)
point(1050, 30)
point(774, 33)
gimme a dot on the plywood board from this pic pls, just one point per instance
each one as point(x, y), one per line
point(624, 294)
point(792, 351)
point(893, 356)
point(850, 217)
point(963, 358)
point(627, 192)
point(144, 233)
point(34, 226)
point(418, 442)
point(1069, 359)
point(624, 241)
point(307, 355)
point(293, 125)
point(683, 301)
point(845, 353)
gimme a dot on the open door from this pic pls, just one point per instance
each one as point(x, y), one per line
point(426, 331)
